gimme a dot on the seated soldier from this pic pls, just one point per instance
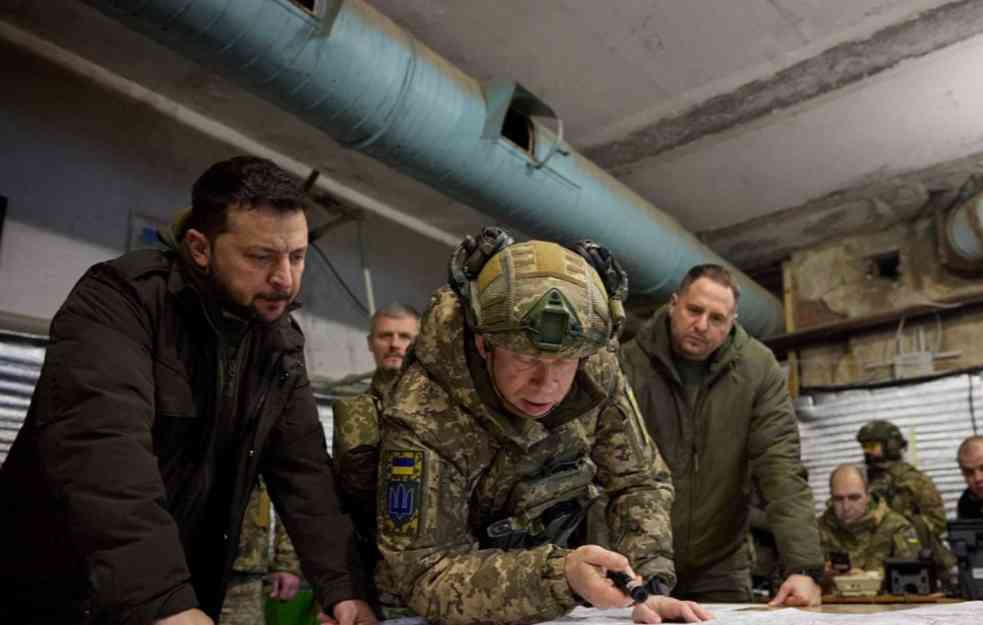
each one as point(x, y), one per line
point(510, 417)
point(970, 458)
point(862, 526)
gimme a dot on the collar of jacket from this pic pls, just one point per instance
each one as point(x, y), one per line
point(441, 349)
point(193, 290)
point(383, 381)
point(871, 519)
point(655, 340)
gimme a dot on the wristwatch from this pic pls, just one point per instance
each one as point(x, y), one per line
point(815, 572)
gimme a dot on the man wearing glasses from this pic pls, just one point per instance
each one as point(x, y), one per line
point(716, 402)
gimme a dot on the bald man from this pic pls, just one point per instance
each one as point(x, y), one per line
point(970, 458)
point(862, 525)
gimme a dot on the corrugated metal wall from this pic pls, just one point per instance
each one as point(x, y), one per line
point(21, 356)
point(934, 416)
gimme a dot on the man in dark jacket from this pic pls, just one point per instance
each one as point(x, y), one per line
point(970, 458)
point(172, 381)
point(716, 403)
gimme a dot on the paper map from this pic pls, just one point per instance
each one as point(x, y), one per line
point(967, 613)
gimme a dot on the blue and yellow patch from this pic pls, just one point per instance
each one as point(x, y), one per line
point(403, 493)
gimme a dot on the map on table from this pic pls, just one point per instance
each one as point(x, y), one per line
point(967, 613)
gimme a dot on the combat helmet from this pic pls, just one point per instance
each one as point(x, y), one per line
point(885, 433)
point(539, 297)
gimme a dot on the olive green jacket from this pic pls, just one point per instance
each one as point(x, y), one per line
point(879, 534)
point(743, 424)
point(452, 464)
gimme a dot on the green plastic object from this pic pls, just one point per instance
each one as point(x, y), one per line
point(301, 610)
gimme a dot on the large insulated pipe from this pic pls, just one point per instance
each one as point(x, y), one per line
point(964, 232)
point(353, 73)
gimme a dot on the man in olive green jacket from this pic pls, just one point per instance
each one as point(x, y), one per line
point(716, 403)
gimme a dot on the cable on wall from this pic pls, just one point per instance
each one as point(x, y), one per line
point(341, 281)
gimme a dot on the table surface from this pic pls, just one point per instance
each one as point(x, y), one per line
point(962, 613)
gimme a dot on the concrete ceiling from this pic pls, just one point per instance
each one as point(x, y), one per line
point(760, 125)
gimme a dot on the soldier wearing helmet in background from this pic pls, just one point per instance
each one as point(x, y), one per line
point(510, 418)
point(908, 491)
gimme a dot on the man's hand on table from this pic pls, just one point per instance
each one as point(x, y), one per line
point(657, 609)
point(799, 591)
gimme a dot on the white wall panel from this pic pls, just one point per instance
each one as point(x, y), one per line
point(934, 416)
point(21, 357)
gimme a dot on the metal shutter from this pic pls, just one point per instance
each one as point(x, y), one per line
point(934, 416)
point(21, 357)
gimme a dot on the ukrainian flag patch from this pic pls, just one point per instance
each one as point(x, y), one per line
point(404, 477)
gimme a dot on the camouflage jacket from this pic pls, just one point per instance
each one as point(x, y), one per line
point(254, 540)
point(879, 534)
point(356, 449)
point(912, 494)
point(451, 462)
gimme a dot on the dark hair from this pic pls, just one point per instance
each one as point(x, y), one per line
point(243, 181)
point(716, 273)
point(394, 310)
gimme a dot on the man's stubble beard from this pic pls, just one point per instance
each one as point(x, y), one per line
point(247, 312)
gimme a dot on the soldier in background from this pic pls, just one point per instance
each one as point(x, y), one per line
point(907, 491)
point(970, 459)
point(510, 416)
point(862, 526)
point(356, 430)
point(244, 599)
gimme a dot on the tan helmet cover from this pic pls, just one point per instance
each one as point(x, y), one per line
point(543, 299)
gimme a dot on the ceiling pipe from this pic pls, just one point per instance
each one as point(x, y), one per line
point(353, 73)
point(192, 119)
point(964, 231)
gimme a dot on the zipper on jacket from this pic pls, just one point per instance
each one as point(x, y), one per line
point(267, 384)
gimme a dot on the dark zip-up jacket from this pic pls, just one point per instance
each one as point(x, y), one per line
point(742, 423)
point(125, 489)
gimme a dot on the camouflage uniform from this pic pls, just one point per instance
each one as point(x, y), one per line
point(912, 494)
point(879, 534)
point(245, 599)
point(456, 469)
point(356, 448)
point(356, 454)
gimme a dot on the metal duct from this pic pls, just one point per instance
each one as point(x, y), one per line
point(353, 73)
point(964, 231)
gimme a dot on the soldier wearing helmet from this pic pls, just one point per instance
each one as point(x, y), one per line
point(510, 419)
point(908, 491)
